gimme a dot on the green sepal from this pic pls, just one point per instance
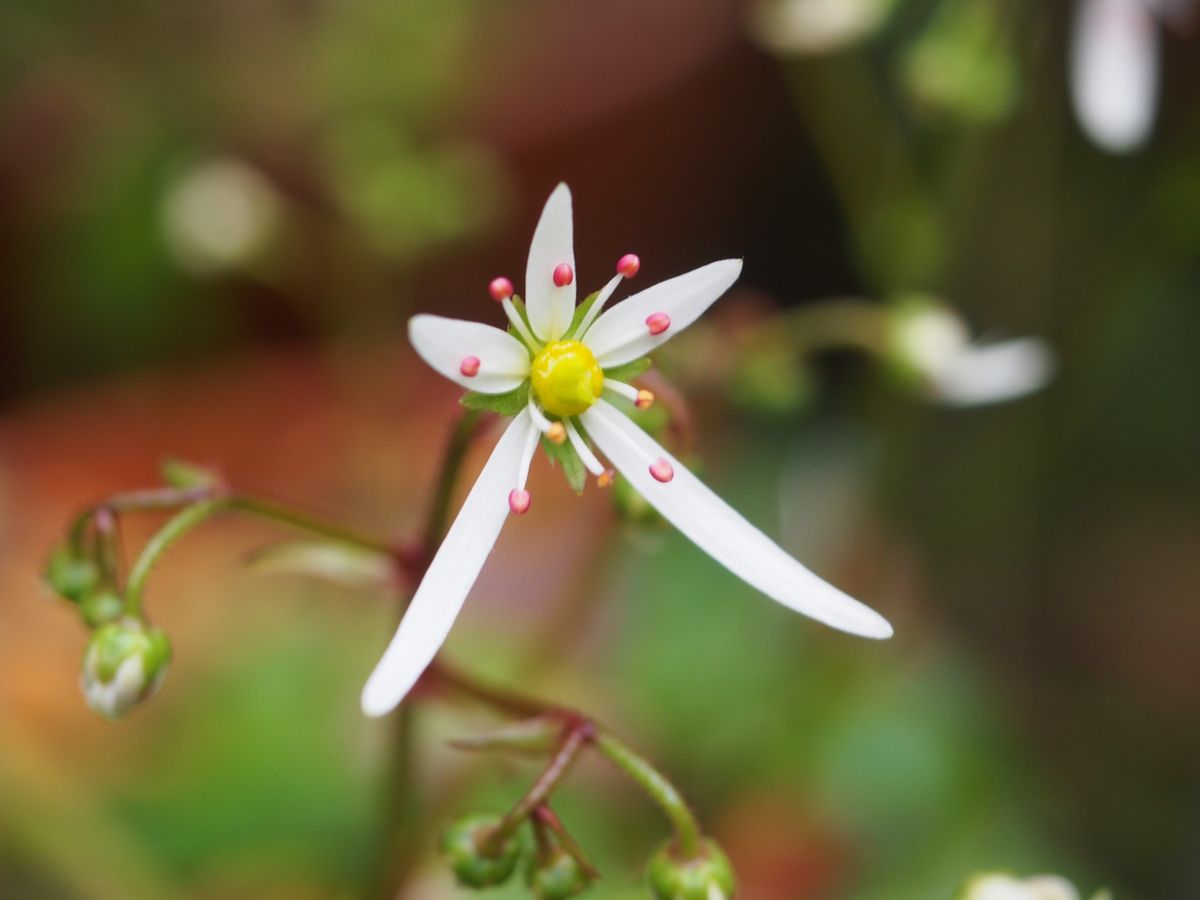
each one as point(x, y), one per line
point(564, 456)
point(580, 311)
point(507, 404)
point(630, 370)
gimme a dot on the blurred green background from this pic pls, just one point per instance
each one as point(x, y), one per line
point(215, 221)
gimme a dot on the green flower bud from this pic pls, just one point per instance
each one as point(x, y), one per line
point(556, 878)
point(101, 607)
point(70, 574)
point(463, 846)
point(708, 876)
point(125, 663)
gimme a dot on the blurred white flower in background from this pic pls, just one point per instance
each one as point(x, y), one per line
point(816, 26)
point(1115, 61)
point(932, 342)
point(219, 215)
point(1005, 887)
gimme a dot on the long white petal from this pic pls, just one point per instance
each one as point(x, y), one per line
point(446, 343)
point(721, 532)
point(991, 373)
point(621, 334)
point(450, 576)
point(1114, 72)
point(550, 308)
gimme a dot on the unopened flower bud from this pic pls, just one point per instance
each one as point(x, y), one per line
point(101, 607)
point(707, 876)
point(556, 878)
point(124, 664)
point(924, 337)
point(474, 861)
point(70, 574)
point(1000, 886)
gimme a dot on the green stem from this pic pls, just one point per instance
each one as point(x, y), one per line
point(202, 510)
point(648, 778)
point(177, 526)
point(654, 783)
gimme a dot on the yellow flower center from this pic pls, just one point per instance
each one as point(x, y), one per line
point(566, 378)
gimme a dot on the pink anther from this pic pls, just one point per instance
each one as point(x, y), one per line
point(628, 265)
point(563, 275)
point(662, 471)
point(500, 289)
point(518, 501)
point(658, 322)
point(470, 366)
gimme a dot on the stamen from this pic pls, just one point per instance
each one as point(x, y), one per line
point(628, 391)
point(594, 311)
point(658, 322)
point(661, 470)
point(563, 275)
point(470, 366)
point(554, 431)
point(585, 452)
point(628, 265)
point(645, 399)
point(500, 289)
point(518, 323)
point(606, 478)
point(519, 501)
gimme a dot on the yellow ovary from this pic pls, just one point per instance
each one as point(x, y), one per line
point(566, 378)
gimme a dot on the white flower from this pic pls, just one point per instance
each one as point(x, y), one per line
point(932, 340)
point(995, 886)
point(219, 215)
point(1115, 51)
point(566, 372)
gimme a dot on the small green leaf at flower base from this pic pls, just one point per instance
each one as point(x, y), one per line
point(708, 876)
point(630, 370)
point(100, 607)
point(462, 845)
point(70, 574)
point(507, 404)
point(556, 878)
point(567, 459)
point(124, 665)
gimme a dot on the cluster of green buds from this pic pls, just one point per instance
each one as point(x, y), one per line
point(483, 851)
point(126, 659)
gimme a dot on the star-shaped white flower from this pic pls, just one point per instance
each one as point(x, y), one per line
point(563, 358)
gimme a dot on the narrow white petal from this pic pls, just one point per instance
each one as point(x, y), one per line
point(621, 334)
point(991, 373)
point(721, 532)
point(450, 576)
point(1114, 72)
point(446, 343)
point(550, 307)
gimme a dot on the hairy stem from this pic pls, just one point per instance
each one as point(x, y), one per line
point(540, 793)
